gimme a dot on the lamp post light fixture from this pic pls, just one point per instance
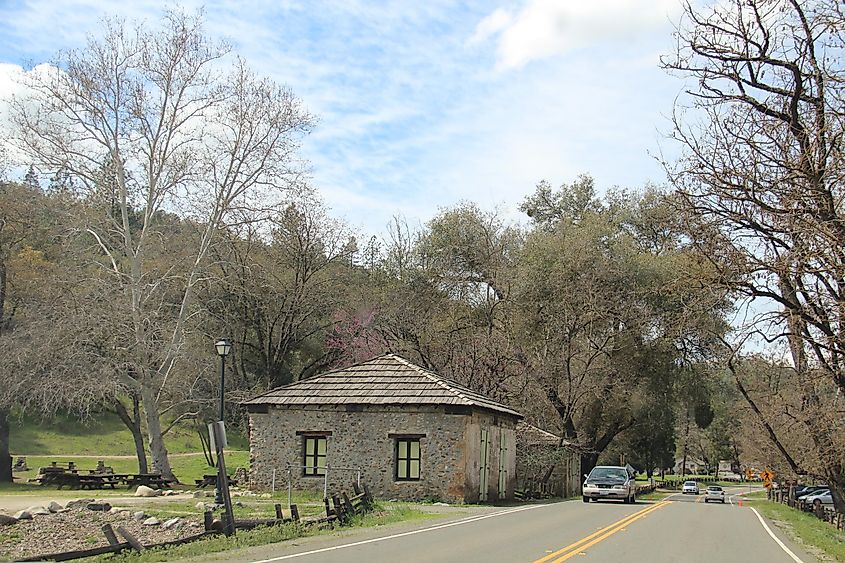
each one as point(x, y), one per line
point(224, 348)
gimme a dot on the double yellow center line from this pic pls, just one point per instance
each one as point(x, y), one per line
point(594, 538)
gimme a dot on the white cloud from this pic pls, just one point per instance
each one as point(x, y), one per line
point(491, 25)
point(544, 28)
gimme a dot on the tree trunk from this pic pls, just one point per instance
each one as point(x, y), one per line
point(133, 423)
point(158, 451)
point(5, 457)
point(588, 461)
point(2, 293)
point(837, 490)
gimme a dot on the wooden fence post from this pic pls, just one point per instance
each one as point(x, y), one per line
point(109, 532)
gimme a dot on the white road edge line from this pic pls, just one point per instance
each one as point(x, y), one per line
point(468, 520)
point(774, 537)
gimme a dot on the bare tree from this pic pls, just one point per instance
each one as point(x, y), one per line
point(761, 180)
point(156, 120)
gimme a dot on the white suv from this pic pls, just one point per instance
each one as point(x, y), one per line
point(690, 487)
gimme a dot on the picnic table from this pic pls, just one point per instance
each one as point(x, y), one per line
point(74, 479)
point(154, 480)
point(211, 480)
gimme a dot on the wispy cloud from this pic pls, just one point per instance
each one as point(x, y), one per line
point(422, 104)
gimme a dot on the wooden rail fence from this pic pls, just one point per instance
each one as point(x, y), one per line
point(826, 513)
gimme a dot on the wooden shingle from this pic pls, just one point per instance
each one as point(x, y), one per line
point(385, 380)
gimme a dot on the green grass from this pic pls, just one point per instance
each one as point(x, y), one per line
point(105, 434)
point(187, 468)
point(805, 527)
point(267, 535)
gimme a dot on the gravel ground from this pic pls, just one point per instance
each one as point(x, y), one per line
point(80, 528)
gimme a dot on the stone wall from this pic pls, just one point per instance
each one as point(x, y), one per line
point(364, 437)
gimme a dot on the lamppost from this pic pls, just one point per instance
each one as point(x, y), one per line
point(224, 347)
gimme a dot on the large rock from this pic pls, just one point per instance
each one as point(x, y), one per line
point(38, 511)
point(81, 503)
point(6, 520)
point(151, 521)
point(22, 515)
point(54, 506)
point(145, 491)
point(199, 494)
point(171, 523)
point(98, 506)
point(201, 506)
point(138, 515)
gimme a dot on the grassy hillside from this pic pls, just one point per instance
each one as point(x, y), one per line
point(104, 436)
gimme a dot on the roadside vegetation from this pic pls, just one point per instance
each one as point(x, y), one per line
point(802, 526)
point(382, 514)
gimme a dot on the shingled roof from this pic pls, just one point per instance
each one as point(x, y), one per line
point(385, 380)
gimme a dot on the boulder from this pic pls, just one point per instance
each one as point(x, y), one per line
point(151, 521)
point(81, 503)
point(22, 515)
point(171, 523)
point(6, 520)
point(201, 506)
point(145, 491)
point(265, 495)
point(38, 511)
point(138, 515)
point(199, 494)
point(98, 506)
point(54, 506)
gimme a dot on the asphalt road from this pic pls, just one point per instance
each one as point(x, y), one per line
point(681, 528)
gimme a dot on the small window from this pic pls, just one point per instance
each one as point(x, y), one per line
point(314, 462)
point(407, 459)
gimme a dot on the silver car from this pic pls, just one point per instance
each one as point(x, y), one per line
point(610, 481)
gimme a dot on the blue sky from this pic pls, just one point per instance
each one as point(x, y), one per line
point(424, 104)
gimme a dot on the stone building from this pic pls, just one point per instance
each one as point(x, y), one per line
point(546, 464)
point(412, 434)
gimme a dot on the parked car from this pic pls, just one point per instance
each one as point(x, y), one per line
point(819, 498)
point(610, 481)
point(714, 493)
point(690, 487)
point(810, 490)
